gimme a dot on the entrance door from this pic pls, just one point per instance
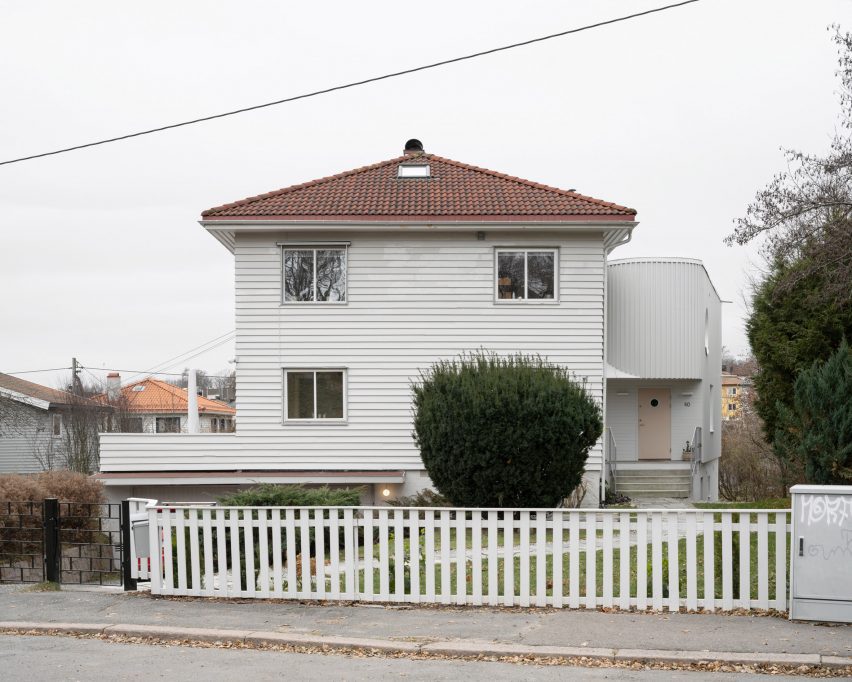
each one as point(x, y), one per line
point(655, 423)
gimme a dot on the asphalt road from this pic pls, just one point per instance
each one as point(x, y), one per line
point(66, 658)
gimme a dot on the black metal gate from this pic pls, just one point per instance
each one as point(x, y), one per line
point(72, 543)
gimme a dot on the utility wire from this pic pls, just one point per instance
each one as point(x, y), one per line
point(164, 363)
point(354, 84)
point(201, 352)
point(164, 374)
point(37, 371)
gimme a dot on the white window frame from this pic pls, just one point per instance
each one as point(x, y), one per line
point(526, 250)
point(171, 417)
point(316, 420)
point(57, 416)
point(314, 246)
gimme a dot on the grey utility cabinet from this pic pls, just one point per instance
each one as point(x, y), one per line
point(821, 553)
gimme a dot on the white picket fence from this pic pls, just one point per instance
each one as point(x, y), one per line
point(643, 559)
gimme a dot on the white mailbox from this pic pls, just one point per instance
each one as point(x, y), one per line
point(821, 553)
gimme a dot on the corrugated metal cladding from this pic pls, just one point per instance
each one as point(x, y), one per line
point(656, 317)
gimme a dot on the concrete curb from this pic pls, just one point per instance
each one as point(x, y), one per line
point(456, 648)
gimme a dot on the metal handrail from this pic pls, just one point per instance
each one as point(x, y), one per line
point(611, 450)
point(695, 467)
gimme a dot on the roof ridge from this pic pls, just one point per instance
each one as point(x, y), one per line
point(54, 395)
point(532, 183)
point(303, 185)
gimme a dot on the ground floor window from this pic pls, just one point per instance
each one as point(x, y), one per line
point(168, 424)
point(131, 425)
point(221, 425)
point(314, 394)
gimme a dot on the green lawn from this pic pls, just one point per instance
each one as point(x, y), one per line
point(599, 570)
point(769, 503)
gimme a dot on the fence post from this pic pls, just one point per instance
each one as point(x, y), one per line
point(127, 579)
point(51, 540)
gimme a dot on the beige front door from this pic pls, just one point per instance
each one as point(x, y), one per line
point(655, 423)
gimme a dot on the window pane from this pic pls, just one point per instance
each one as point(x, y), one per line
point(130, 424)
point(540, 271)
point(510, 274)
point(168, 424)
point(300, 395)
point(298, 275)
point(329, 395)
point(331, 275)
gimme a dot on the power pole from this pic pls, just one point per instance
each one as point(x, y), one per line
point(76, 384)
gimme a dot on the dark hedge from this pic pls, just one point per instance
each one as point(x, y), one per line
point(504, 432)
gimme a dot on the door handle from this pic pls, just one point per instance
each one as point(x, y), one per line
point(801, 546)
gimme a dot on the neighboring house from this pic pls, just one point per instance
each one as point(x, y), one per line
point(733, 392)
point(34, 422)
point(153, 406)
point(349, 286)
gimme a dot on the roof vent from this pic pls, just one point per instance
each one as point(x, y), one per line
point(413, 146)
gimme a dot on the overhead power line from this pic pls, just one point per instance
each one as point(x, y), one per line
point(159, 374)
point(38, 371)
point(180, 357)
point(354, 84)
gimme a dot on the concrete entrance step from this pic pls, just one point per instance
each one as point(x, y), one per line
point(654, 482)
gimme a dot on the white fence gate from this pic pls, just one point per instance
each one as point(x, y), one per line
point(643, 559)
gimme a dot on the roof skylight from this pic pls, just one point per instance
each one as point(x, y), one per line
point(414, 170)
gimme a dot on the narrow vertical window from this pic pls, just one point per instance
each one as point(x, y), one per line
point(57, 425)
point(314, 275)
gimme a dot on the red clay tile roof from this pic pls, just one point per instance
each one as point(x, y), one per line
point(39, 392)
point(455, 191)
point(158, 397)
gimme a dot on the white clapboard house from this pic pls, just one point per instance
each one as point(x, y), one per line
point(350, 285)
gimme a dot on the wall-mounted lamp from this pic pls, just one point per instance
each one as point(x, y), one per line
point(386, 492)
point(480, 236)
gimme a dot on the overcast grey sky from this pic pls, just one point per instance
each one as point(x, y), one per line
point(680, 115)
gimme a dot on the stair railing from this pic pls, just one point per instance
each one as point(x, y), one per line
point(695, 467)
point(611, 462)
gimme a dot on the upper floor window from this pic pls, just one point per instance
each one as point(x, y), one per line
point(526, 274)
point(56, 426)
point(314, 275)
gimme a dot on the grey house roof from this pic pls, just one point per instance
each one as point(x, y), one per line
point(13, 386)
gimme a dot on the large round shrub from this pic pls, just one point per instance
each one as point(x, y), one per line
point(504, 432)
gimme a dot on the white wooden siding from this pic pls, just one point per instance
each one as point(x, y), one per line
point(412, 299)
point(27, 437)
